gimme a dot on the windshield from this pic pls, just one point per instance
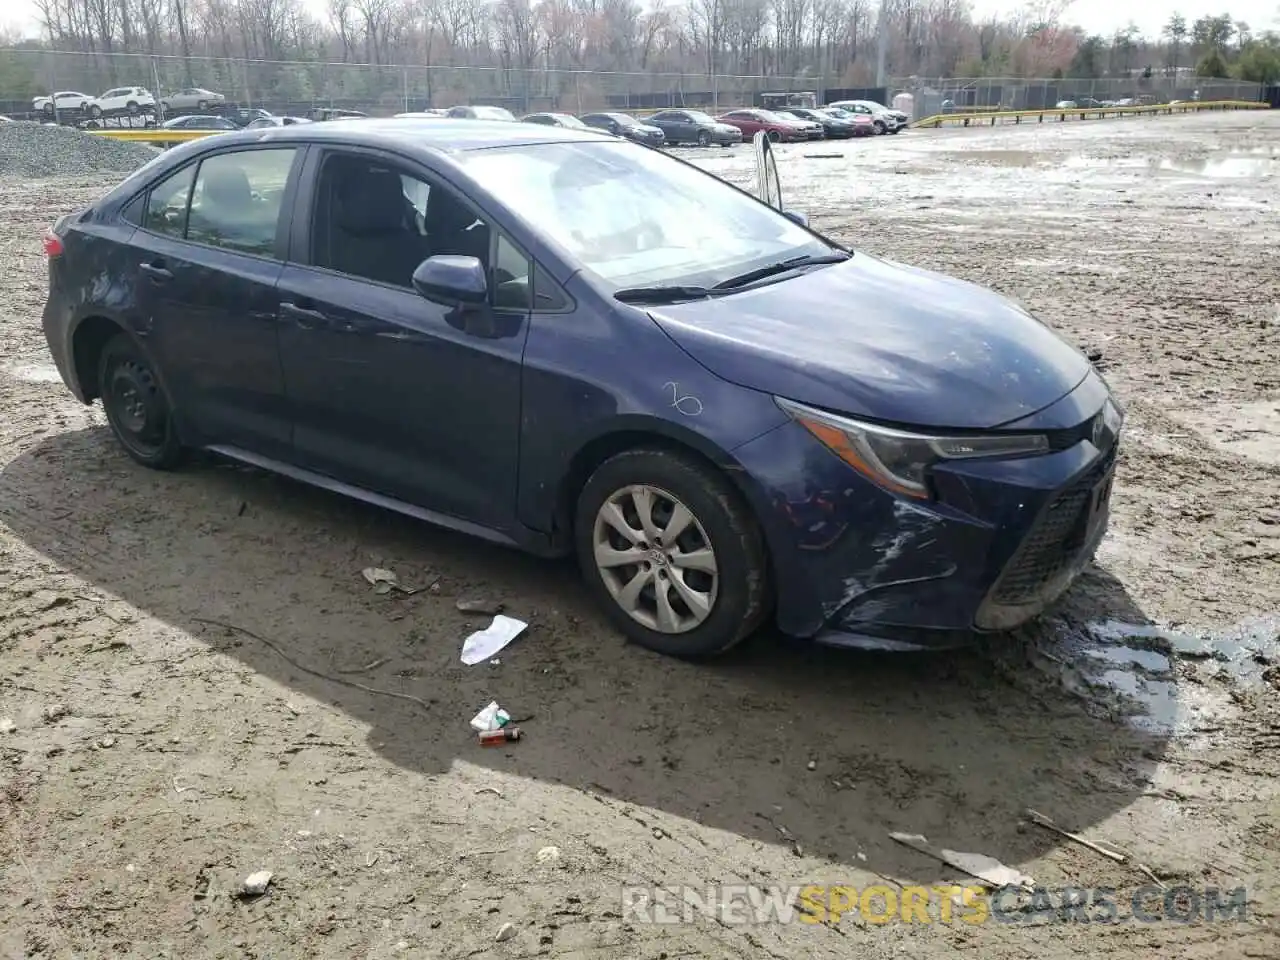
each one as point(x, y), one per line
point(637, 217)
point(623, 120)
point(493, 113)
point(566, 120)
point(770, 117)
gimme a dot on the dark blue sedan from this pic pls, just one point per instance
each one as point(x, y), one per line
point(552, 340)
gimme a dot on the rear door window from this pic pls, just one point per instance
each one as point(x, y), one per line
point(167, 204)
point(237, 199)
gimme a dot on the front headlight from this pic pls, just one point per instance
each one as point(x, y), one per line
point(898, 460)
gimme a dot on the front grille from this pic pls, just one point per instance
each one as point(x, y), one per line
point(1053, 546)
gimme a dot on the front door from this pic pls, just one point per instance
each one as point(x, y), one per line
point(209, 252)
point(390, 391)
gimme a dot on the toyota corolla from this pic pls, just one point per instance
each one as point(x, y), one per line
point(552, 340)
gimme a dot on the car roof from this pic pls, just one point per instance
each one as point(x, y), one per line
point(436, 133)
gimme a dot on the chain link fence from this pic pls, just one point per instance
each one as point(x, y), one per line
point(290, 86)
point(294, 87)
point(938, 95)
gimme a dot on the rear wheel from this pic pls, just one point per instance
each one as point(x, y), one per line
point(132, 107)
point(136, 406)
point(202, 105)
point(704, 138)
point(672, 552)
point(95, 111)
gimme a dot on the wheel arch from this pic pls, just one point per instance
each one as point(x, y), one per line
point(87, 340)
point(632, 433)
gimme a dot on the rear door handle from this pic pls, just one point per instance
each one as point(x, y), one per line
point(307, 319)
point(155, 271)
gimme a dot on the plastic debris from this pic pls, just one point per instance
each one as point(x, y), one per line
point(506, 932)
point(492, 717)
point(496, 738)
point(7, 725)
point(547, 854)
point(490, 641)
point(977, 865)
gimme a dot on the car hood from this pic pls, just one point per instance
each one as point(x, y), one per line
point(882, 340)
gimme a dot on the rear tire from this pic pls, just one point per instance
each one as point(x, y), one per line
point(132, 107)
point(95, 111)
point(692, 597)
point(136, 406)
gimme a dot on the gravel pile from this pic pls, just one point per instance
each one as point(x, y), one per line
point(36, 150)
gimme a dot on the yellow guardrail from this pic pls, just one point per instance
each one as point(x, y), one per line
point(153, 134)
point(1082, 113)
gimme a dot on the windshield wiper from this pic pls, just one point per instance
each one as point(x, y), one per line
point(666, 294)
point(782, 266)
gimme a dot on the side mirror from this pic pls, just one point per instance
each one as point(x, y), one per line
point(797, 216)
point(452, 280)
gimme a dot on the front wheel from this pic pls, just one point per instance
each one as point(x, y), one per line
point(773, 136)
point(704, 138)
point(48, 108)
point(202, 106)
point(136, 406)
point(880, 127)
point(672, 552)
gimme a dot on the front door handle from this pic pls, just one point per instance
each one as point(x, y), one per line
point(303, 317)
point(156, 271)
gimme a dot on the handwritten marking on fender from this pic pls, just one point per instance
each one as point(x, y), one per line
point(686, 403)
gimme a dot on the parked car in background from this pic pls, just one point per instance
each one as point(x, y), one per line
point(336, 113)
point(130, 100)
point(835, 126)
point(625, 125)
point(69, 100)
point(693, 126)
point(885, 120)
point(197, 122)
point(423, 113)
point(556, 341)
point(192, 98)
point(566, 120)
point(481, 112)
point(263, 123)
point(243, 116)
point(775, 126)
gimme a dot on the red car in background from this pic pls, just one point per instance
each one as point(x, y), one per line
point(776, 127)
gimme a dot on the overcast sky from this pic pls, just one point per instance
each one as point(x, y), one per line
point(1095, 16)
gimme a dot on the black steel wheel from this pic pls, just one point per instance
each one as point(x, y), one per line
point(136, 406)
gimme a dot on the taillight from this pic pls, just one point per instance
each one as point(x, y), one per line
point(52, 244)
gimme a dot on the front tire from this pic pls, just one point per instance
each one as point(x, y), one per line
point(880, 128)
point(704, 138)
point(672, 552)
point(135, 405)
point(774, 136)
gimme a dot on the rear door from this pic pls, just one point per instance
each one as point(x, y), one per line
point(209, 251)
point(389, 391)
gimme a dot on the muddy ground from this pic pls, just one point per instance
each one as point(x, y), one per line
point(149, 760)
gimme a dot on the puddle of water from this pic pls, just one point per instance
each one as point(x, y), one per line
point(32, 372)
point(1229, 165)
point(1132, 668)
